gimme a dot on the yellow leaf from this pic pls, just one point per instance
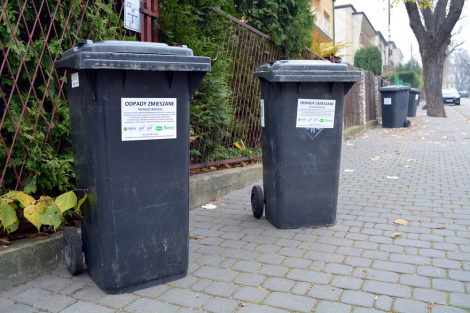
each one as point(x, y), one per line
point(396, 235)
point(401, 222)
point(8, 217)
point(23, 198)
point(80, 202)
point(240, 145)
point(66, 201)
point(34, 212)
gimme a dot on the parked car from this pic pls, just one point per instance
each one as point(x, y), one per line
point(463, 94)
point(451, 95)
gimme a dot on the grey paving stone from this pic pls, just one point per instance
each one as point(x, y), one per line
point(19, 308)
point(85, 307)
point(347, 282)
point(376, 255)
point(325, 257)
point(212, 250)
point(447, 285)
point(240, 254)
point(431, 271)
point(201, 285)
point(383, 303)
point(432, 253)
point(415, 281)
point(250, 307)
point(228, 263)
point(365, 310)
point(325, 292)
point(270, 258)
point(332, 307)
point(247, 266)
point(211, 241)
point(447, 309)
point(296, 262)
point(278, 234)
point(117, 301)
point(338, 269)
point(184, 298)
point(192, 267)
point(267, 248)
point(221, 289)
point(249, 279)
point(412, 243)
point(444, 263)
point(90, 294)
point(287, 243)
point(459, 256)
point(184, 282)
point(221, 305)
point(391, 248)
point(368, 273)
point(387, 289)
point(300, 288)
point(358, 298)
point(317, 247)
point(459, 275)
point(233, 244)
point(259, 239)
point(14, 291)
point(4, 303)
point(54, 303)
point(411, 259)
point(291, 252)
point(215, 273)
point(290, 302)
point(366, 245)
point(460, 300)
point(406, 306)
point(72, 289)
point(427, 295)
point(273, 270)
point(394, 267)
point(31, 296)
point(250, 294)
point(309, 276)
point(152, 292)
point(355, 261)
point(62, 271)
point(210, 260)
point(349, 251)
point(278, 284)
point(306, 237)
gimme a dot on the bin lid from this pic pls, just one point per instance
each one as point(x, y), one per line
point(415, 90)
point(306, 71)
point(132, 55)
point(393, 88)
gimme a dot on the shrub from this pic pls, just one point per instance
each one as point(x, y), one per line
point(369, 58)
point(410, 77)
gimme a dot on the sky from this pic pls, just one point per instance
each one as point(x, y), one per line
point(402, 35)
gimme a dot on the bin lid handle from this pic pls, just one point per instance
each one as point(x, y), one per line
point(85, 42)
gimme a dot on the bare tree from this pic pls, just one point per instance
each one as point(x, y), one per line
point(460, 65)
point(432, 23)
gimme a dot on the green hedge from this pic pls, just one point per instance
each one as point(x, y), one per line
point(409, 77)
point(369, 58)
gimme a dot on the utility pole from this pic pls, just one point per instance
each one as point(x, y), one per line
point(411, 62)
point(389, 41)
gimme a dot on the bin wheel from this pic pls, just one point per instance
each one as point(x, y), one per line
point(407, 123)
point(257, 201)
point(72, 245)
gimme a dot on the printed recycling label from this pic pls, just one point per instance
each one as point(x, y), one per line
point(262, 112)
point(315, 113)
point(75, 81)
point(148, 118)
point(387, 101)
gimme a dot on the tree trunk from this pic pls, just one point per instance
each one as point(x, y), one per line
point(433, 67)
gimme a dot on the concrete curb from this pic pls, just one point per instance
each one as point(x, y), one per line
point(355, 130)
point(30, 258)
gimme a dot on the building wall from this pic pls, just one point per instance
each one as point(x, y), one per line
point(323, 10)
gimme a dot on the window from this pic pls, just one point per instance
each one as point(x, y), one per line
point(452, 79)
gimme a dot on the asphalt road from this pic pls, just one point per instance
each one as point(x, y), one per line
point(464, 107)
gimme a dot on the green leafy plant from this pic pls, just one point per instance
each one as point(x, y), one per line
point(44, 211)
point(369, 58)
point(410, 77)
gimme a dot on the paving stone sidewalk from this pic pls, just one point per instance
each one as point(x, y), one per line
point(241, 264)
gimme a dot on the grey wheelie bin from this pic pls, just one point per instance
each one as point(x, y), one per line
point(302, 105)
point(395, 106)
point(129, 110)
point(413, 102)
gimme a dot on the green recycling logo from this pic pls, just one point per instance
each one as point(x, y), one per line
point(158, 128)
point(322, 120)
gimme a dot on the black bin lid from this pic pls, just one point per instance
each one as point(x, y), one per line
point(415, 90)
point(307, 71)
point(393, 88)
point(132, 55)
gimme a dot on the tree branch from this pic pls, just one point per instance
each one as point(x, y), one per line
point(428, 17)
point(439, 15)
point(445, 30)
point(415, 23)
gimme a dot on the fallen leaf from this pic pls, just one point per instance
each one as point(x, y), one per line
point(221, 203)
point(242, 304)
point(374, 159)
point(208, 206)
point(4, 241)
point(410, 160)
point(214, 199)
point(431, 304)
point(396, 235)
point(407, 166)
point(365, 272)
point(392, 177)
point(349, 171)
point(401, 222)
point(385, 196)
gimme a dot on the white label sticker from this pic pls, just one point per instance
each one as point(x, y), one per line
point(387, 100)
point(148, 118)
point(262, 112)
point(417, 96)
point(132, 15)
point(315, 113)
point(75, 82)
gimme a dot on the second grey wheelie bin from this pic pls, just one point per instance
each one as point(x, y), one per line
point(413, 102)
point(129, 111)
point(395, 106)
point(302, 105)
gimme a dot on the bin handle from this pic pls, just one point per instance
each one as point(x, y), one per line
point(85, 42)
